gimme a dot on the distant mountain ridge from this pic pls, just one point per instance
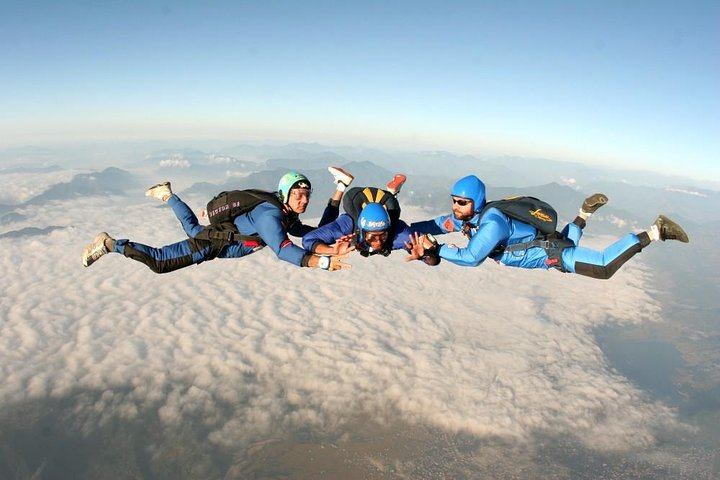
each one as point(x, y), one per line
point(111, 181)
point(431, 175)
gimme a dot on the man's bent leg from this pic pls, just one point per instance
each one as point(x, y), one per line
point(331, 213)
point(573, 232)
point(187, 217)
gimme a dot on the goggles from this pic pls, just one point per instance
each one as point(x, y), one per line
point(372, 237)
point(298, 193)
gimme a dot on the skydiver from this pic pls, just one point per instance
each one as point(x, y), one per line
point(271, 221)
point(376, 229)
point(511, 242)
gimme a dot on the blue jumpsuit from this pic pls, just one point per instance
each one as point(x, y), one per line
point(265, 220)
point(345, 225)
point(495, 229)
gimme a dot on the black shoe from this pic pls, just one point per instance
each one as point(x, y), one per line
point(593, 202)
point(670, 230)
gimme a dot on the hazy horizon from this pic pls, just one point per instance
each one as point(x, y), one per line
point(128, 154)
point(604, 83)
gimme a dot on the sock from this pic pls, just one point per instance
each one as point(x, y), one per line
point(340, 187)
point(583, 215)
point(644, 239)
point(654, 233)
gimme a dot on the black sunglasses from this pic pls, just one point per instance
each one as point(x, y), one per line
point(461, 201)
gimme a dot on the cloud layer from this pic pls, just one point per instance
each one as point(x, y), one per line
point(253, 345)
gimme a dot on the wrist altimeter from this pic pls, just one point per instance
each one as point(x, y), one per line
point(433, 242)
point(324, 263)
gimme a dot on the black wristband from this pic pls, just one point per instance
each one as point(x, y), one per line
point(305, 262)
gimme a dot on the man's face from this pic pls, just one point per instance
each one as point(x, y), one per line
point(298, 199)
point(462, 208)
point(375, 240)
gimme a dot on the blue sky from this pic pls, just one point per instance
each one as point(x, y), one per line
point(632, 84)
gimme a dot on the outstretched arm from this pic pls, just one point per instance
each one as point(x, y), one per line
point(494, 230)
point(438, 225)
point(342, 246)
point(328, 263)
point(330, 238)
point(269, 225)
point(270, 228)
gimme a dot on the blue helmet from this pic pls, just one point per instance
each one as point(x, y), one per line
point(470, 187)
point(289, 181)
point(373, 218)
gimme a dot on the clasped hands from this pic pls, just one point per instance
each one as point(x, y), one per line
point(417, 245)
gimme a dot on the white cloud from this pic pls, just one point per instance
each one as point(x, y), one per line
point(617, 221)
point(253, 344)
point(175, 160)
point(569, 181)
point(687, 191)
point(21, 186)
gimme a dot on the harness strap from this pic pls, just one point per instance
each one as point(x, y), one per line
point(231, 236)
point(553, 248)
point(222, 234)
point(546, 244)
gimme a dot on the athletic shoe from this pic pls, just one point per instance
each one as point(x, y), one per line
point(396, 183)
point(670, 230)
point(593, 202)
point(341, 176)
point(161, 191)
point(96, 249)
